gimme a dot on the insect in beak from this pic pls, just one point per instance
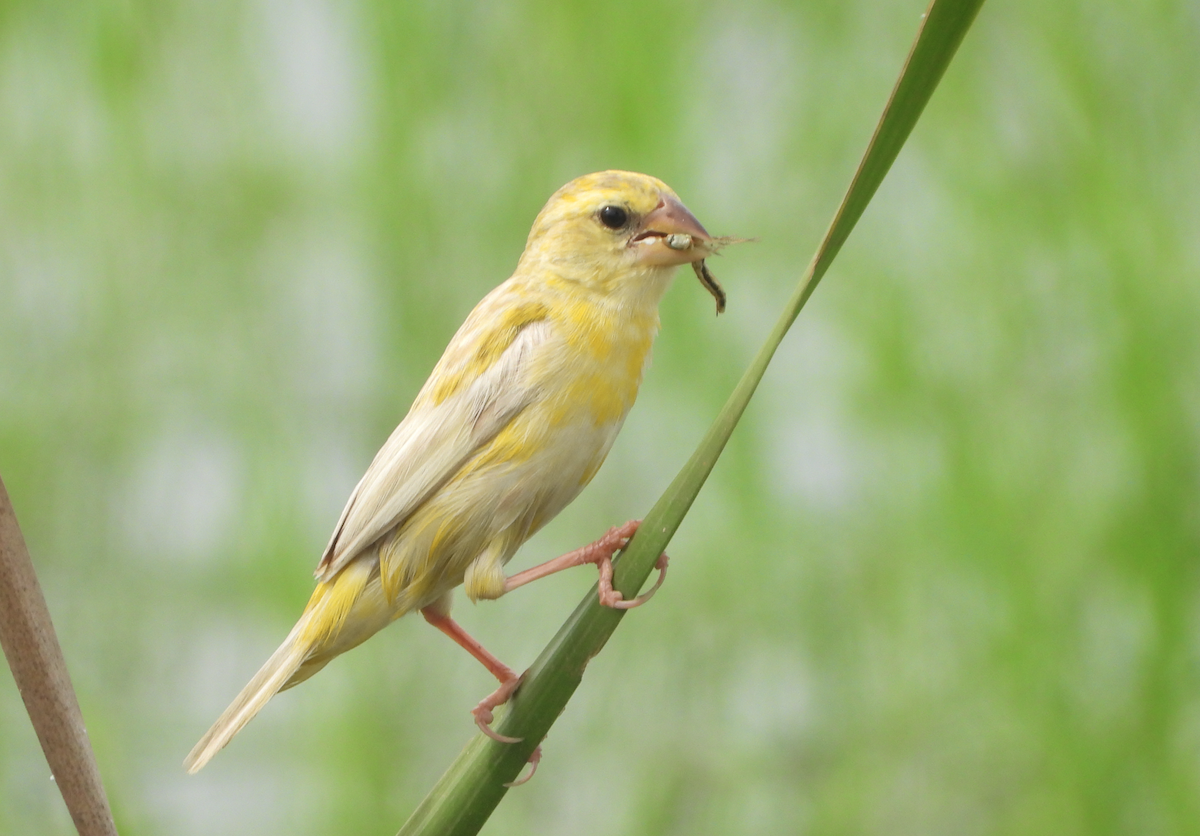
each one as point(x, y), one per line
point(710, 283)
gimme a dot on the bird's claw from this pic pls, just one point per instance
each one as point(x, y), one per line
point(534, 760)
point(483, 711)
point(661, 566)
point(484, 716)
point(612, 542)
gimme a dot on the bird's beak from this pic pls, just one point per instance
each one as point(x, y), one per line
point(670, 235)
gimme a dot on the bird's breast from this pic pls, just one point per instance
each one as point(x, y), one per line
point(587, 375)
point(594, 371)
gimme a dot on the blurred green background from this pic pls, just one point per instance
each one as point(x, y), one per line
point(943, 581)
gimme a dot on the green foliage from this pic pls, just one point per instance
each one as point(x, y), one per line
point(944, 577)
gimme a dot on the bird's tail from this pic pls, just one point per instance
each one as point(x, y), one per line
point(266, 683)
point(310, 644)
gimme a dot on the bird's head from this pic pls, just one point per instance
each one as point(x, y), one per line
point(618, 232)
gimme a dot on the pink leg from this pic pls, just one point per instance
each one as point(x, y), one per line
point(600, 553)
point(508, 679)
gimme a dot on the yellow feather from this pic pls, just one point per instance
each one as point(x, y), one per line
point(331, 603)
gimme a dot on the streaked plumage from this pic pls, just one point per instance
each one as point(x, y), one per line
point(513, 422)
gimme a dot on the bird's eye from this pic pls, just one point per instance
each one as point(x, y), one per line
point(614, 217)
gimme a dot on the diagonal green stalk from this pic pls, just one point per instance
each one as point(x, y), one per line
point(467, 794)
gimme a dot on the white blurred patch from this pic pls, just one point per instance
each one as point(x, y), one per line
point(814, 460)
point(1117, 627)
point(312, 68)
point(182, 498)
point(325, 304)
point(331, 470)
point(459, 156)
point(1035, 110)
point(923, 227)
point(49, 295)
point(218, 659)
point(814, 449)
point(770, 696)
point(213, 666)
point(282, 795)
point(751, 75)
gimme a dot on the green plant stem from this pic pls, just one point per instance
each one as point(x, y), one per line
point(471, 788)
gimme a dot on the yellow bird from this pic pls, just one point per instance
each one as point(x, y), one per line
point(514, 421)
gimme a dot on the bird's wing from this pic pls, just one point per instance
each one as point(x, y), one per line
point(478, 386)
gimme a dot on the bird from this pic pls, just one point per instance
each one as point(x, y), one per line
point(514, 421)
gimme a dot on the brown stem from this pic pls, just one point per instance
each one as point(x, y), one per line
point(37, 664)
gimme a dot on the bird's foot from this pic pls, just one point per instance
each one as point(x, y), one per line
point(601, 553)
point(484, 716)
point(483, 711)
